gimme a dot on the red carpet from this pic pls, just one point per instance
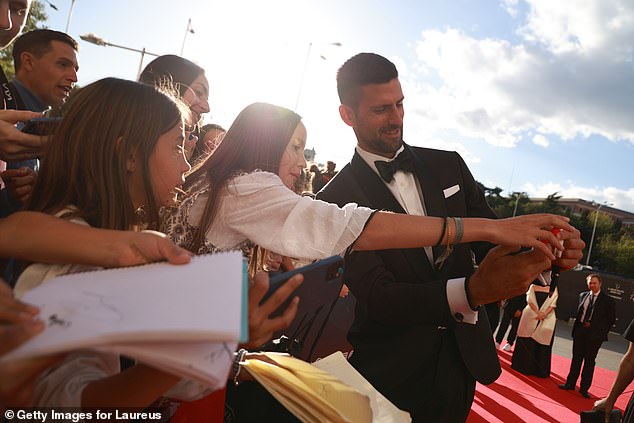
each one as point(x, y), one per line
point(515, 397)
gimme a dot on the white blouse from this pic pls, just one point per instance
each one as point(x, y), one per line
point(258, 207)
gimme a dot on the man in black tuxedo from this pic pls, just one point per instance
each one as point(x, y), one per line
point(420, 335)
point(595, 317)
point(512, 313)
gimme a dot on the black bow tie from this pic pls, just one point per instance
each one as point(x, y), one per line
point(402, 162)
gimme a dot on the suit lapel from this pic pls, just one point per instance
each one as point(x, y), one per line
point(598, 301)
point(377, 193)
point(381, 198)
point(429, 184)
point(582, 302)
point(432, 191)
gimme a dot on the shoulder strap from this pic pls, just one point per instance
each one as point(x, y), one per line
point(8, 92)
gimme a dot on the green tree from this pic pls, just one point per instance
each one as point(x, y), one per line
point(616, 254)
point(516, 205)
point(604, 234)
point(613, 246)
point(549, 205)
point(501, 205)
point(36, 19)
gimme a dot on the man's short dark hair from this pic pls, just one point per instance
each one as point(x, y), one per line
point(38, 43)
point(594, 275)
point(362, 69)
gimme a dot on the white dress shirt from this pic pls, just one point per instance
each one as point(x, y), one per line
point(407, 191)
point(586, 304)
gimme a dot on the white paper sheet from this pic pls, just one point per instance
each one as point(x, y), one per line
point(199, 301)
point(383, 411)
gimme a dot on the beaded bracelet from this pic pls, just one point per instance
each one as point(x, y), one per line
point(236, 367)
point(459, 230)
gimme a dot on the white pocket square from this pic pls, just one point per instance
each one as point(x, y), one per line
point(451, 191)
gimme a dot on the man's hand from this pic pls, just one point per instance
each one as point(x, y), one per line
point(261, 326)
point(16, 145)
point(19, 183)
point(573, 251)
point(503, 274)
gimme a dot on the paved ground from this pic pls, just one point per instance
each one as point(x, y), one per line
point(609, 355)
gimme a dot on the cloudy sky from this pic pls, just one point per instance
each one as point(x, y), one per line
point(537, 95)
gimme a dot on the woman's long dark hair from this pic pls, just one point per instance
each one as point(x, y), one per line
point(85, 163)
point(171, 70)
point(255, 141)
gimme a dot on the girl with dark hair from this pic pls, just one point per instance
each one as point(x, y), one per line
point(118, 150)
point(193, 88)
point(116, 158)
point(249, 179)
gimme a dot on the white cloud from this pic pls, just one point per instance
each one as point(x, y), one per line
point(594, 27)
point(621, 198)
point(571, 76)
point(510, 6)
point(541, 140)
point(465, 153)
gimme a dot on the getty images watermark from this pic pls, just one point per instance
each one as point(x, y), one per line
point(52, 415)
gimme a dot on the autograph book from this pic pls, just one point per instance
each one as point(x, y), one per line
point(183, 318)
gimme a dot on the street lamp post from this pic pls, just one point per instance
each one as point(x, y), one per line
point(594, 228)
point(517, 201)
point(70, 14)
point(301, 82)
point(52, 5)
point(94, 39)
point(189, 30)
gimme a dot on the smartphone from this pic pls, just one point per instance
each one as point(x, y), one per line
point(318, 295)
point(41, 126)
point(317, 275)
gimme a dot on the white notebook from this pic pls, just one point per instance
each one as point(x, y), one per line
point(383, 411)
point(172, 315)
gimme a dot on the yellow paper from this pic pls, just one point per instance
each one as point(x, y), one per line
point(294, 394)
point(308, 392)
point(383, 411)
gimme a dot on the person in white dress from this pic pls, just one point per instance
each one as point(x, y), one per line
point(535, 333)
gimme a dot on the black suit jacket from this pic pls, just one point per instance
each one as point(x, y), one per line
point(401, 298)
point(603, 316)
point(516, 303)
